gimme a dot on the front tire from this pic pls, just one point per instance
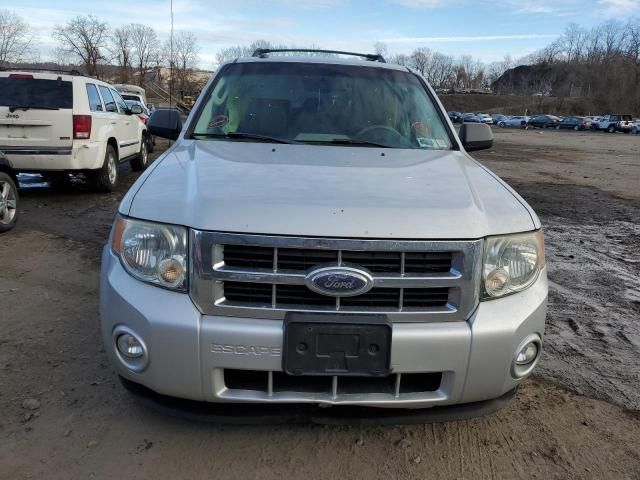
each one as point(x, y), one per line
point(611, 129)
point(141, 162)
point(107, 177)
point(8, 203)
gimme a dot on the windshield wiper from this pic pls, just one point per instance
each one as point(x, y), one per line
point(243, 135)
point(348, 141)
point(13, 108)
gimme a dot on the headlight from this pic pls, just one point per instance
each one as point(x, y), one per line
point(511, 263)
point(152, 252)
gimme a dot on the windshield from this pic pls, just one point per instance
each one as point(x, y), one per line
point(27, 91)
point(320, 104)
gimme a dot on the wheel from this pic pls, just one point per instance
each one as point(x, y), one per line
point(576, 128)
point(151, 143)
point(8, 203)
point(141, 161)
point(611, 129)
point(107, 176)
point(557, 127)
point(501, 124)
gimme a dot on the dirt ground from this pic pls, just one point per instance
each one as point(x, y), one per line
point(65, 415)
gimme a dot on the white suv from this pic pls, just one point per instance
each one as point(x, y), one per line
point(54, 123)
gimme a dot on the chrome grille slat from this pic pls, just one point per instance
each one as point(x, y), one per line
point(412, 280)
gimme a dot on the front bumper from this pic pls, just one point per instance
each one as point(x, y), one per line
point(189, 352)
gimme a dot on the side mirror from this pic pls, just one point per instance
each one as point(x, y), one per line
point(136, 109)
point(476, 136)
point(165, 123)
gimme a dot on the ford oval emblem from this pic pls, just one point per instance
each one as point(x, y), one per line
point(339, 281)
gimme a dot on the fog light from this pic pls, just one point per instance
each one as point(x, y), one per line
point(171, 272)
point(129, 346)
point(528, 354)
point(496, 283)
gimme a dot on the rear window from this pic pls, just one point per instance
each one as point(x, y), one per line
point(627, 118)
point(35, 92)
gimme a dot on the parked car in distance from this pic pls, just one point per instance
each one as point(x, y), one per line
point(56, 123)
point(230, 276)
point(455, 117)
point(544, 121)
point(132, 92)
point(636, 126)
point(574, 123)
point(8, 195)
point(485, 118)
point(614, 123)
point(144, 118)
point(517, 121)
point(498, 117)
point(471, 118)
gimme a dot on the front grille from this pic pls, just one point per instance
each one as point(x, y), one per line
point(279, 382)
point(262, 294)
point(302, 259)
point(264, 276)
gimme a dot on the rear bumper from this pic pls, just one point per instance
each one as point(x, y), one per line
point(189, 352)
point(79, 156)
point(243, 414)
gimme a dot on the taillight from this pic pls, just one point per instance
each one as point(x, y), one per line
point(20, 75)
point(143, 119)
point(81, 127)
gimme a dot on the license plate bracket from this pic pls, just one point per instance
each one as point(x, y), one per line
point(337, 344)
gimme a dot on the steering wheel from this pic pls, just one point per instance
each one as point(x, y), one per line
point(367, 131)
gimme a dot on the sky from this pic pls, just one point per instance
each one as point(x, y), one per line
point(488, 30)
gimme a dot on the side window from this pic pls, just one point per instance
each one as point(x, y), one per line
point(95, 104)
point(109, 102)
point(122, 106)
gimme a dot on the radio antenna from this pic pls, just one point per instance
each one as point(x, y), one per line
point(171, 58)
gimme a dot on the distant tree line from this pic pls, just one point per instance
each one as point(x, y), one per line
point(130, 53)
point(601, 63)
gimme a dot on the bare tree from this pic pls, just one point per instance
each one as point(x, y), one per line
point(15, 38)
point(85, 38)
point(145, 49)
point(183, 62)
point(120, 46)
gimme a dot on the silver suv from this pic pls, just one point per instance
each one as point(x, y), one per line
point(318, 235)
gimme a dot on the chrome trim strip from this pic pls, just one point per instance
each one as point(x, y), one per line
point(35, 151)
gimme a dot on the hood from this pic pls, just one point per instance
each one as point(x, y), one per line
point(326, 191)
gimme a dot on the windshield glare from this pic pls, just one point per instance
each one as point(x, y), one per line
point(321, 104)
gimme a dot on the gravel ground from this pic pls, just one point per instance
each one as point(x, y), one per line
point(66, 416)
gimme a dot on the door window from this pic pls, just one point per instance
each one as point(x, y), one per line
point(109, 102)
point(122, 106)
point(95, 104)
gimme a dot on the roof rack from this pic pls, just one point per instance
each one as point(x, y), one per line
point(51, 70)
point(263, 52)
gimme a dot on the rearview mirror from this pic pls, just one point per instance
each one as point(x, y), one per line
point(165, 123)
point(476, 136)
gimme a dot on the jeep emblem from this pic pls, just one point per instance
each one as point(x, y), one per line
point(339, 281)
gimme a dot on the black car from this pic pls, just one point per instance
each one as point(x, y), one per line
point(544, 121)
point(574, 123)
point(471, 118)
point(455, 117)
point(8, 196)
